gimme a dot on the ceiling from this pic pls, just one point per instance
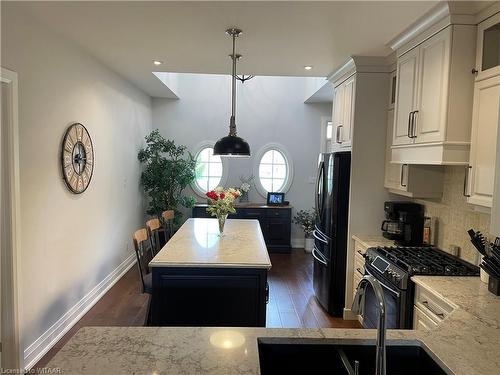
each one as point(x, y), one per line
point(279, 38)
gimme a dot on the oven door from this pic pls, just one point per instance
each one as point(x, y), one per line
point(395, 303)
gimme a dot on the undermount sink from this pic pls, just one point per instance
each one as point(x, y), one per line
point(315, 356)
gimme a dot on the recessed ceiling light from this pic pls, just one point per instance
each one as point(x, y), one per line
point(157, 62)
point(308, 67)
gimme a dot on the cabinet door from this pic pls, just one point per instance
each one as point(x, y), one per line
point(393, 179)
point(338, 114)
point(406, 92)
point(488, 48)
point(434, 65)
point(345, 133)
point(278, 231)
point(484, 141)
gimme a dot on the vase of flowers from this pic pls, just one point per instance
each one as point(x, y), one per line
point(246, 184)
point(306, 220)
point(221, 204)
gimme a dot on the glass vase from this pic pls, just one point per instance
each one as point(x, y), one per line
point(222, 221)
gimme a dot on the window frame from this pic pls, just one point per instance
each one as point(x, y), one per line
point(288, 160)
point(223, 180)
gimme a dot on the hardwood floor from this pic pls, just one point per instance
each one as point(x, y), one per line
point(291, 301)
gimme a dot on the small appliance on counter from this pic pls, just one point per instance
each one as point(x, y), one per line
point(404, 223)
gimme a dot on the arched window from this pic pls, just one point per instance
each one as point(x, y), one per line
point(209, 170)
point(274, 170)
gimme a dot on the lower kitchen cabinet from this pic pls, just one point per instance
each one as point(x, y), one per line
point(429, 310)
point(275, 223)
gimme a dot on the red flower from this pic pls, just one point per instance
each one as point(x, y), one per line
point(212, 195)
point(222, 195)
point(236, 194)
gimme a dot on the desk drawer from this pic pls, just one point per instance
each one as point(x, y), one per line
point(278, 212)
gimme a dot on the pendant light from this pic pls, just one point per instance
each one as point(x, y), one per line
point(232, 145)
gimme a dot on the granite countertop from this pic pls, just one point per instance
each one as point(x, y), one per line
point(372, 240)
point(198, 244)
point(467, 341)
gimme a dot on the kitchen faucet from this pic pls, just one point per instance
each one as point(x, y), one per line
point(357, 307)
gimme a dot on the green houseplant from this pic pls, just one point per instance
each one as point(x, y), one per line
point(168, 169)
point(306, 220)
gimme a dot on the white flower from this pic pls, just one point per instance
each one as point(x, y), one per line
point(245, 187)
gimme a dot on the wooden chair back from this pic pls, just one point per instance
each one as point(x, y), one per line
point(144, 253)
point(168, 223)
point(156, 234)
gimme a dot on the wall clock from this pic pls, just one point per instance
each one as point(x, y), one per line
point(77, 158)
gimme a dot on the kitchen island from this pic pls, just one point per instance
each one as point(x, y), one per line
point(203, 279)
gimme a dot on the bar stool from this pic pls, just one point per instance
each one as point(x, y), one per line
point(168, 223)
point(156, 234)
point(144, 254)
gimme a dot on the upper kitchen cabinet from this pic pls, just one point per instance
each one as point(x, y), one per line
point(488, 48)
point(434, 91)
point(343, 111)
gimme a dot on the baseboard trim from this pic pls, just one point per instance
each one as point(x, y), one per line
point(34, 352)
point(349, 315)
point(297, 243)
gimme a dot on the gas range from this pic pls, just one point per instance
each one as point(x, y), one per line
point(399, 263)
point(394, 266)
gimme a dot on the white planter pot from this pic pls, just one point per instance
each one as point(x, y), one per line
point(308, 245)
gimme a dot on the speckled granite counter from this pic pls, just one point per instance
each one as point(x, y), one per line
point(198, 244)
point(372, 240)
point(467, 342)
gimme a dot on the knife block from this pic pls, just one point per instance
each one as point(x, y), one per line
point(494, 285)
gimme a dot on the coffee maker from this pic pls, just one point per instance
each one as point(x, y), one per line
point(404, 223)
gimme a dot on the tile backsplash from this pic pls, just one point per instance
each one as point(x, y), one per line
point(455, 216)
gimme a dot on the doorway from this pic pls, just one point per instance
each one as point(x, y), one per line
point(10, 353)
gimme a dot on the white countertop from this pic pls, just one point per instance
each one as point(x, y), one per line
point(372, 240)
point(198, 244)
point(467, 342)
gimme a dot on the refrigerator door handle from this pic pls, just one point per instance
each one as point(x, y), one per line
point(318, 256)
point(318, 180)
point(319, 238)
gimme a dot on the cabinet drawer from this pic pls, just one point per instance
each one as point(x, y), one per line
point(421, 321)
point(433, 306)
point(278, 212)
point(246, 213)
point(359, 265)
point(359, 248)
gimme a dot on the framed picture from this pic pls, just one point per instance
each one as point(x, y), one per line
point(275, 199)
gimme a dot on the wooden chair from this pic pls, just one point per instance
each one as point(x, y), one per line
point(144, 253)
point(168, 223)
point(157, 235)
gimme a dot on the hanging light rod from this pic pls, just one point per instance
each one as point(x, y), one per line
point(232, 145)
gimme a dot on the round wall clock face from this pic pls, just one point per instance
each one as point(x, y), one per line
point(77, 158)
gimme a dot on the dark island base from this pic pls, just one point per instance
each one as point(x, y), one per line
point(223, 297)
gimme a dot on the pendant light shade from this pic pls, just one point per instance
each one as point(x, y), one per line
point(232, 145)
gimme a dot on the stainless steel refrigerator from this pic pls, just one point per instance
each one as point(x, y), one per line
point(330, 232)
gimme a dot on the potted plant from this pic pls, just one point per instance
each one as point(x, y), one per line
point(306, 220)
point(221, 204)
point(168, 169)
point(246, 184)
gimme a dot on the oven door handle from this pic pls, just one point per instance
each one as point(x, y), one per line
point(383, 285)
point(318, 256)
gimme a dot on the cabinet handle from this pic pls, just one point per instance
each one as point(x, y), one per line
point(360, 253)
point(408, 131)
point(466, 181)
point(402, 175)
point(414, 124)
point(359, 270)
point(428, 307)
point(339, 135)
point(474, 71)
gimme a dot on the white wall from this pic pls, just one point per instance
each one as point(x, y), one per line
point(70, 243)
point(269, 109)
